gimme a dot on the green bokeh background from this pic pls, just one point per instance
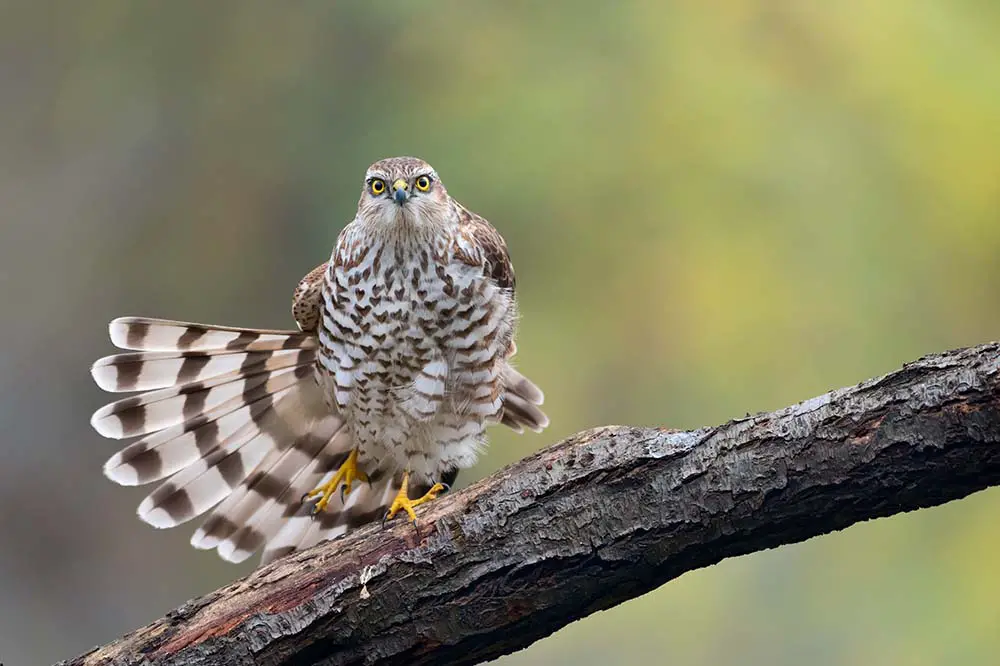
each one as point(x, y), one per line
point(713, 207)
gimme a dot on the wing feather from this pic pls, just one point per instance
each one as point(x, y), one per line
point(488, 248)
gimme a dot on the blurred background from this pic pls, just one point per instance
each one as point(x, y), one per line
point(714, 208)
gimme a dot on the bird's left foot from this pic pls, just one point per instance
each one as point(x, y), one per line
point(404, 503)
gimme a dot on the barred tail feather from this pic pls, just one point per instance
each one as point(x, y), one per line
point(145, 334)
point(149, 371)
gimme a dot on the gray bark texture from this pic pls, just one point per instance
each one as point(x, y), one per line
point(595, 520)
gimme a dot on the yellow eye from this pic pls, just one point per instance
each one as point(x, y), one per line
point(377, 186)
point(423, 183)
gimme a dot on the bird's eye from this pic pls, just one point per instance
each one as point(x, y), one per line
point(423, 183)
point(377, 186)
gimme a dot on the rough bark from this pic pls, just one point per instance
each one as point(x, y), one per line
point(597, 519)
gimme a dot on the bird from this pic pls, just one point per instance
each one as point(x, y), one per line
point(401, 359)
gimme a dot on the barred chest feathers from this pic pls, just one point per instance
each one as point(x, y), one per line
point(413, 339)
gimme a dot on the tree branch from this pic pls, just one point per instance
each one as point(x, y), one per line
point(597, 519)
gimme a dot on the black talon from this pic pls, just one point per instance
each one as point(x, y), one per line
point(447, 487)
point(342, 487)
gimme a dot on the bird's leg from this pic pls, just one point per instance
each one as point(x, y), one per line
point(404, 503)
point(346, 474)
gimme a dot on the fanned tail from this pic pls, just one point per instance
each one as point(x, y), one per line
point(231, 418)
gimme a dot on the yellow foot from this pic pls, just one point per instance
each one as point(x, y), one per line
point(404, 503)
point(346, 475)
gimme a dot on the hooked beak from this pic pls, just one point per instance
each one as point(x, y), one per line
point(400, 191)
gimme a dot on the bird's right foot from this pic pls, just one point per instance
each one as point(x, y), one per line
point(345, 476)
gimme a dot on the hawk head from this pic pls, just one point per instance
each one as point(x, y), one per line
point(400, 190)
